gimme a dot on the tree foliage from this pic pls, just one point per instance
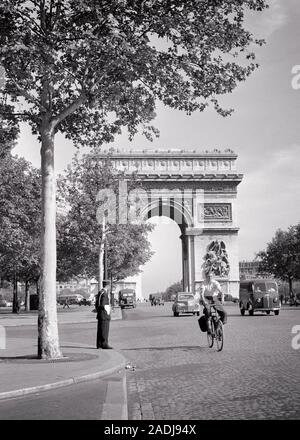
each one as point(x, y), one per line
point(80, 234)
point(128, 249)
point(103, 64)
point(282, 255)
point(20, 211)
point(172, 290)
point(9, 129)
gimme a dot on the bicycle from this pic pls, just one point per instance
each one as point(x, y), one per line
point(215, 331)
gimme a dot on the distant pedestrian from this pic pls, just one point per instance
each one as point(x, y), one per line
point(66, 303)
point(103, 309)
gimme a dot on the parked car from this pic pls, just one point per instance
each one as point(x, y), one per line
point(74, 298)
point(185, 303)
point(259, 295)
point(156, 299)
point(85, 302)
point(229, 297)
point(158, 302)
point(295, 301)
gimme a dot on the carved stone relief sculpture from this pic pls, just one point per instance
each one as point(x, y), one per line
point(216, 259)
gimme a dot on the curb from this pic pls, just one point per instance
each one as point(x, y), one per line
point(115, 405)
point(63, 383)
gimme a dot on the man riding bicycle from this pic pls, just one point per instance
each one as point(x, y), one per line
point(208, 294)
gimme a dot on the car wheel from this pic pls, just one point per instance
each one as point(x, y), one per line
point(175, 313)
point(251, 312)
point(268, 312)
point(198, 313)
point(276, 312)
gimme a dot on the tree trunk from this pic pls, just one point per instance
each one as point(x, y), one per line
point(26, 296)
point(48, 341)
point(15, 295)
point(291, 287)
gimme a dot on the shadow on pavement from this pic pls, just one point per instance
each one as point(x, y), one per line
point(248, 316)
point(78, 346)
point(183, 347)
point(27, 357)
point(33, 358)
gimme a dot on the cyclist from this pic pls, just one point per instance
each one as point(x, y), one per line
point(208, 294)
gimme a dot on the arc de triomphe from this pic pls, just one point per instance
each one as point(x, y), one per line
point(198, 190)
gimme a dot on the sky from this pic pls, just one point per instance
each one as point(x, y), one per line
point(263, 131)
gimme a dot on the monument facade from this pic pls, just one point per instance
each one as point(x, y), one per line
point(198, 190)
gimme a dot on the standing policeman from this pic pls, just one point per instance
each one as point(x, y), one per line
point(103, 315)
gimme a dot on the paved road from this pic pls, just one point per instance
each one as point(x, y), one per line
point(77, 402)
point(177, 376)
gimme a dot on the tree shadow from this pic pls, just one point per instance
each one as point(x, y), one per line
point(23, 357)
point(78, 346)
point(21, 314)
point(180, 347)
point(248, 316)
point(34, 359)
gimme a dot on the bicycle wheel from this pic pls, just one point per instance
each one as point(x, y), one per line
point(210, 334)
point(219, 335)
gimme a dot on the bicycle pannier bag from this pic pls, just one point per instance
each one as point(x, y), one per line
point(202, 323)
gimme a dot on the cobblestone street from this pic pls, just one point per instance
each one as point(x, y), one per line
point(176, 375)
point(173, 375)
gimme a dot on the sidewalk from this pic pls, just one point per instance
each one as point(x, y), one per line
point(73, 315)
point(23, 374)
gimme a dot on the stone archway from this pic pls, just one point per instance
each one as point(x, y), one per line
point(198, 190)
point(174, 211)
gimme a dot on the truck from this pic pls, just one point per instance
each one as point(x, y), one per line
point(127, 298)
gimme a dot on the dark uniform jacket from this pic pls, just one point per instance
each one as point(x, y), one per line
point(102, 300)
